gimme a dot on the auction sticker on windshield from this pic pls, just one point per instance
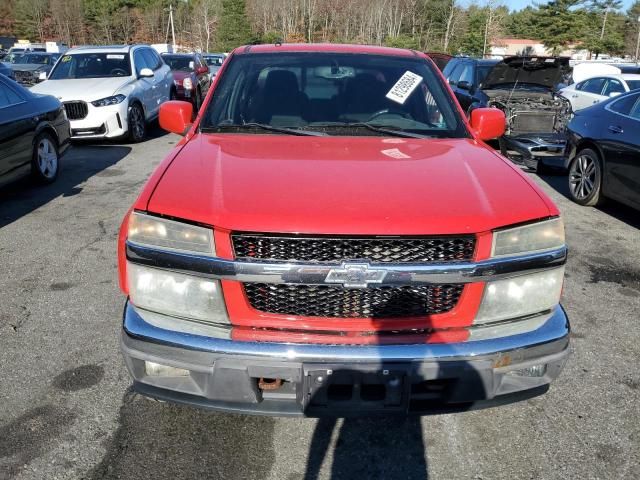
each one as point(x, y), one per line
point(404, 87)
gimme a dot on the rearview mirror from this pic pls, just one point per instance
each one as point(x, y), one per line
point(488, 123)
point(146, 72)
point(42, 76)
point(175, 116)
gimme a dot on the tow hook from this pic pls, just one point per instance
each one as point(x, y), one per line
point(269, 383)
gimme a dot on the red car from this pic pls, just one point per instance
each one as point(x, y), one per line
point(191, 77)
point(332, 237)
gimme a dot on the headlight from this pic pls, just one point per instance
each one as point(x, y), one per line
point(147, 230)
point(113, 100)
point(176, 294)
point(520, 296)
point(187, 83)
point(534, 237)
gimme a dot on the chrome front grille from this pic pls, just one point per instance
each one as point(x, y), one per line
point(344, 301)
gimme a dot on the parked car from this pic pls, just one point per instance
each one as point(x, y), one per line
point(465, 75)
point(604, 152)
point(526, 90)
point(6, 71)
point(109, 92)
point(596, 89)
point(214, 62)
point(33, 67)
point(34, 134)
point(190, 76)
point(332, 236)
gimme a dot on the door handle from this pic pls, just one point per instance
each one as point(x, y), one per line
point(575, 95)
point(615, 129)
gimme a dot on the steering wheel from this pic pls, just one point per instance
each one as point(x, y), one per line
point(118, 72)
point(388, 111)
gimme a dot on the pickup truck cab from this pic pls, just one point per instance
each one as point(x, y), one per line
point(333, 237)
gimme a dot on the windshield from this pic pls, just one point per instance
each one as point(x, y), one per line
point(13, 57)
point(337, 94)
point(92, 65)
point(179, 63)
point(36, 58)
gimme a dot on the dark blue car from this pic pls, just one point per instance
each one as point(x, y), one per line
point(604, 152)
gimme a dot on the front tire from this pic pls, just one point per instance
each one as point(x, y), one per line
point(45, 160)
point(137, 124)
point(585, 178)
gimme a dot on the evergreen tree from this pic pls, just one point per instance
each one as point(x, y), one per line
point(234, 29)
point(558, 24)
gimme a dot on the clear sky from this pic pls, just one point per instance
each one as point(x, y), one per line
point(519, 4)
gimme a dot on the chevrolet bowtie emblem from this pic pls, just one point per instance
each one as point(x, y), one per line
point(355, 275)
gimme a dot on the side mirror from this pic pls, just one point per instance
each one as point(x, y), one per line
point(488, 123)
point(42, 76)
point(202, 70)
point(175, 116)
point(614, 94)
point(146, 73)
point(464, 85)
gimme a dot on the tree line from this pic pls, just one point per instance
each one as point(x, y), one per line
point(600, 26)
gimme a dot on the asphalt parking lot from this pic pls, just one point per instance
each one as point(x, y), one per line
point(66, 410)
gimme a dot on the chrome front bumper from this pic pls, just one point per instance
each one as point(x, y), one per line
point(224, 374)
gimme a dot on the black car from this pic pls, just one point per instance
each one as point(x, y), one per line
point(465, 75)
point(34, 133)
point(604, 152)
point(6, 71)
point(31, 66)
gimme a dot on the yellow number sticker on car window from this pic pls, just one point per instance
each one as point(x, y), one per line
point(66, 58)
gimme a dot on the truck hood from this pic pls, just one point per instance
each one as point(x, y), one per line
point(87, 89)
point(345, 185)
point(545, 72)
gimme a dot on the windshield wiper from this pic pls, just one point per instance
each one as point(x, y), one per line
point(263, 126)
point(379, 129)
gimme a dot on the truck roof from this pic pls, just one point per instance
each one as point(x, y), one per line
point(326, 48)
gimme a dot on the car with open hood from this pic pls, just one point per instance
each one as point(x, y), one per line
point(332, 236)
point(33, 67)
point(526, 90)
point(109, 92)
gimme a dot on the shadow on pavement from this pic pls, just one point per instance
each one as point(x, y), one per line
point(79, 164)
point(375, 448)
point(617, 210)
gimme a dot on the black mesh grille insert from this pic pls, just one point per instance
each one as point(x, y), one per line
point(338, 302)
point(333, 249)
point(76, 110)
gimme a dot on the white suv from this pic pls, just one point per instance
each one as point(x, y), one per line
point(109, 92)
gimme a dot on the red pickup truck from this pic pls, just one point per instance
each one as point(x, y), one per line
point(332, 237)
